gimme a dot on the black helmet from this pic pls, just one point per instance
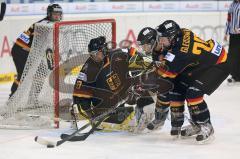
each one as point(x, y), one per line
point(54, 8)
point(97, 44)
point(168, 28)
point(147, 35)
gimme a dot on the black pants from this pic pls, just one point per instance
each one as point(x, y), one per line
point(19, 58)
point(234, 55)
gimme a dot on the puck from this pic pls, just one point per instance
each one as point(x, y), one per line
point(50, 146)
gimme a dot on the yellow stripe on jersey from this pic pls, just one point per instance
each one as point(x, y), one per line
point(176, 103)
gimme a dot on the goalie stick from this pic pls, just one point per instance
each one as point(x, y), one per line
point(3, 9)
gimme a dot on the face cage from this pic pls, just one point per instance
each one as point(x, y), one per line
point(142, 48)
point(51, 18)
point(93, 54)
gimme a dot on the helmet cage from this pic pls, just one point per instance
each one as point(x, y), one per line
point(147, 40)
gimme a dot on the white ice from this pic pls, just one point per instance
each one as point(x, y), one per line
point(224, 105)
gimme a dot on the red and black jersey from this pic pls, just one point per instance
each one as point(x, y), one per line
point(25, 39)
point(191, 51)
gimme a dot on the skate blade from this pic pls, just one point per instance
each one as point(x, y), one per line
point(176, 137)
point(207, 141)
point(188, 137)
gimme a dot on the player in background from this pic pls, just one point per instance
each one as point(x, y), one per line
point(2, 10)
point(201, 65)
point(22, 46)
point(107, 69)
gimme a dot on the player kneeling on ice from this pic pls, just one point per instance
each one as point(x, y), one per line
point(108, 70)
point(201, 65)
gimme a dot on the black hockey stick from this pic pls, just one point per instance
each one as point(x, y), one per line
point(3, 10)
point(83, 136)
point(51, 144)
point(98, 119)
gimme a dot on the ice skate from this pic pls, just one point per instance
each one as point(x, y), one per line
point(190, 130)
point(205, 135)
point(160, 117)
point(175, 132)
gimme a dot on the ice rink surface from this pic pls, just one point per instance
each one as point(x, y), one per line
point(224, 106)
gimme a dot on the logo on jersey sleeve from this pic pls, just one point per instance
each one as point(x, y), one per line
point(169, 57)
point(217, 49)
point(82, 76)
point(25, 38)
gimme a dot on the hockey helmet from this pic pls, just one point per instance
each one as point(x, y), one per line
point(168, 28)
point(97, 44)
point(54, 8)
point(147, 39)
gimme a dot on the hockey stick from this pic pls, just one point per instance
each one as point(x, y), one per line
point(51, 144)
point(83, 136)
point(3, 10)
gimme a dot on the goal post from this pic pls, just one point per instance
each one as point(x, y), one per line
point(45, 91)
point(56, 51)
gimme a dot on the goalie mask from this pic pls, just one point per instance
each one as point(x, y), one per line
point(168, 32)
point(54, 12)
point(147, 39)
point(97, 48)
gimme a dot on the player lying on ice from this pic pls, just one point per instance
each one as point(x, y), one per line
point(108, 70)
point(195, 67)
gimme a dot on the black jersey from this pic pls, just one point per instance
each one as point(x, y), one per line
point(25, 39)
point(190, 51)
point(108, 74)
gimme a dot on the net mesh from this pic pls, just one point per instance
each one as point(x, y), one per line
point(33, 105)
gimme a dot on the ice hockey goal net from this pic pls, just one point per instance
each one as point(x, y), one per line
point(57, 52)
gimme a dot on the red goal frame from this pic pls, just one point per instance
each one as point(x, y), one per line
point(57, 25)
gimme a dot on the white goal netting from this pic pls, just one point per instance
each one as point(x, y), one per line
point(57, 53)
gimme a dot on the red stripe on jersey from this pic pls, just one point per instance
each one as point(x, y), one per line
point(132, 51)
point(22, 44)
point(223, 57)
point(194, 101)
point(165, 73)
